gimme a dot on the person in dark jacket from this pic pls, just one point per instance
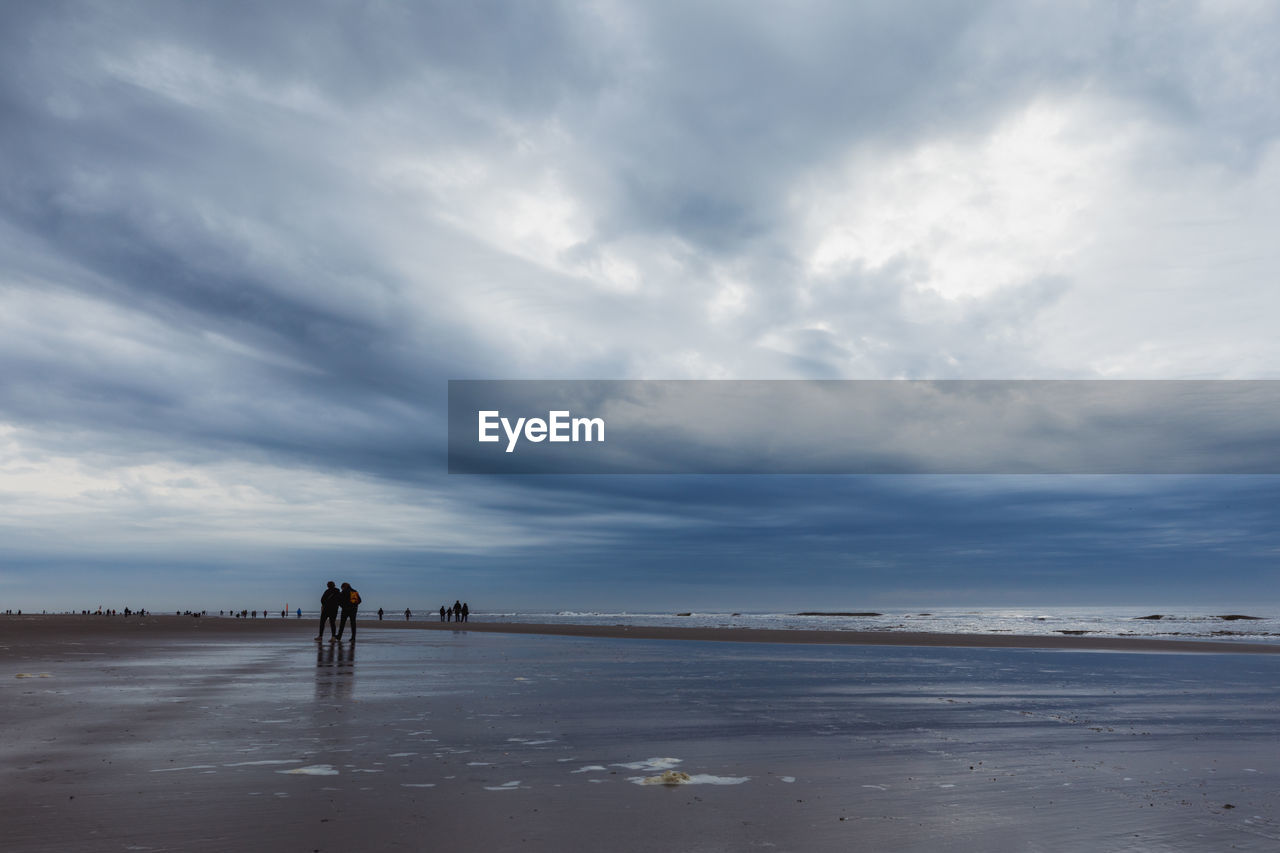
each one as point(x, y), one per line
point(349, 601)
point(329, 610)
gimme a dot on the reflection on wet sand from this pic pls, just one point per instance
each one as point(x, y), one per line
point(335, 670)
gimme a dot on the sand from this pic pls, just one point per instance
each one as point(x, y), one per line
point(171, 733)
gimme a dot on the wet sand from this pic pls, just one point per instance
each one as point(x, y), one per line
point(32, 631)
point(172, 733)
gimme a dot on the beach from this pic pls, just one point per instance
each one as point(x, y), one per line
point(178, 733)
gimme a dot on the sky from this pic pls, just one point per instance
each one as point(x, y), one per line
point(244, 248)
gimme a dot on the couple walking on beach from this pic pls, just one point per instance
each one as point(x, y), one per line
point(334, 599)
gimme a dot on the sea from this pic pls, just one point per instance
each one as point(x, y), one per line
point(1258, 626)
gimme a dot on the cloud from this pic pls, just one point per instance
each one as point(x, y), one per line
point(245, 246)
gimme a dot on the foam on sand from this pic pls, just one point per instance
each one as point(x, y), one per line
point(312, 770)
point(651, 764)
point(677, 777)
point(671, 776)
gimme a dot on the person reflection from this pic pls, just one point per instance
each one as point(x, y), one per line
point(335, 671)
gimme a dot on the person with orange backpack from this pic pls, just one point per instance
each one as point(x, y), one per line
point(349, 601)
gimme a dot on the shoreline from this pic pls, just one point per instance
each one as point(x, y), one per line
point(864, 638)
point(29, 629)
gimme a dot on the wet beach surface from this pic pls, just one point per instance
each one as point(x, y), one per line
point(176, 735)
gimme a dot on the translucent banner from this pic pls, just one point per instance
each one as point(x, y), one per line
point(864, 427)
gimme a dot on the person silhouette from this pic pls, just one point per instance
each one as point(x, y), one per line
point(349, 602)
point(329, 610)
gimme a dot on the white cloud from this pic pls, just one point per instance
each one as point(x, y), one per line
point(96, 503)
point(970, 214)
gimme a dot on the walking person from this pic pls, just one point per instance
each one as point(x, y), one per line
point(466, 612)
point(379, 614)
point(457, 611)
point(349, 602)
point(406, 614)
point(442, 613)
point(328, 610)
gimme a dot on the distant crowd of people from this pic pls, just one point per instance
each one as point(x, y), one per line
point(339, 606)
point(459, 612)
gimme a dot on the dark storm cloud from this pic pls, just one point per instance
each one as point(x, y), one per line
point(152, 151)
point(899, 540)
